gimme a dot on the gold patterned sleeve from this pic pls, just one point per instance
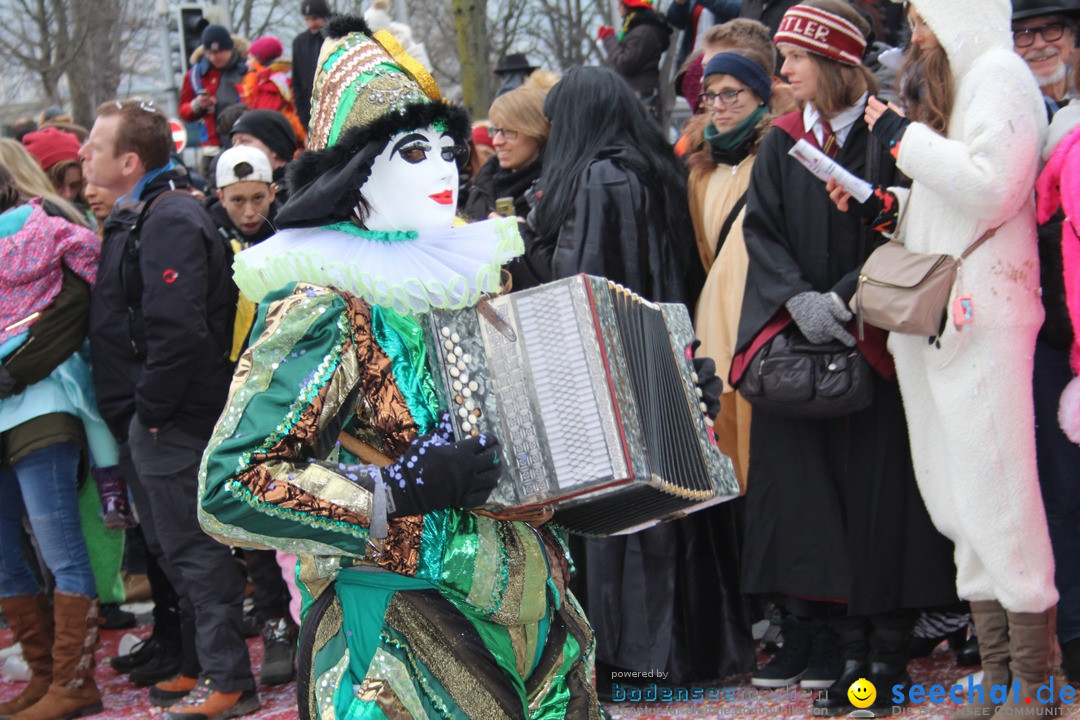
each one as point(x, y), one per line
point(264, 479)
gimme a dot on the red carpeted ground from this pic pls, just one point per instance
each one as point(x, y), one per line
point(738, 699)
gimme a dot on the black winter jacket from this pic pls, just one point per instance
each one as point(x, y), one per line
point(305, 58)
point(187, 306)
point(769, 12)
point(681, 16)
point(637, 56)
point(492, 182)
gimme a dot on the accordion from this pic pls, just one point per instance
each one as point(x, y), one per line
point(590, 391)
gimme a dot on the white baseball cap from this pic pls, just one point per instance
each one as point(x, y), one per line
point(242, 163)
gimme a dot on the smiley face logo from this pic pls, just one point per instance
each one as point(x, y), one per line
point(862, 693)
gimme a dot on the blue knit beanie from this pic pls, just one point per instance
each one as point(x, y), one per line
point(216, 37)
point(742, 69)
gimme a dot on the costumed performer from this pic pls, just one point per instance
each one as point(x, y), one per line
point(331, 444)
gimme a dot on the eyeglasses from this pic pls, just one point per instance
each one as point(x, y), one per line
point(726, 97)
point(507, 134)
point(1051, 32)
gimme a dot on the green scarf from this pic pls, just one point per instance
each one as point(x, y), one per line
point(730, 141)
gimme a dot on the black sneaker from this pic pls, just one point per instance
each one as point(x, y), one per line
point(789, 663)
point(825, 664)
point(140, 654)
point(250, 625)
point(165, 664)
point(112, 617)
point(279, 652)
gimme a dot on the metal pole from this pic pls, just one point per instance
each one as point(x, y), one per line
point(168, 72)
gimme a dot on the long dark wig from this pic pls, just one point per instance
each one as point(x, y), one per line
point(593, 110)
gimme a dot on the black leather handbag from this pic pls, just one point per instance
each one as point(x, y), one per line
point(792, 377)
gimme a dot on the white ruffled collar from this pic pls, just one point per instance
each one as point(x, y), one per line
point(443, 269)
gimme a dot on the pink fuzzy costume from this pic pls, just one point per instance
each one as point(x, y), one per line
point(1059, 186)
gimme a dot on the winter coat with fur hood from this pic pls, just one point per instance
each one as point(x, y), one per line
point(968, 396)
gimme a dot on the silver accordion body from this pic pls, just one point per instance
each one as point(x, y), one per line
point(589, 390)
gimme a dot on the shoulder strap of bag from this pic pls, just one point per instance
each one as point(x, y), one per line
point(131, 280)
point(975, 245)
point(729, 222)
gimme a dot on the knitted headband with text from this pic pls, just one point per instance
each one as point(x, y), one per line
point(822, 33)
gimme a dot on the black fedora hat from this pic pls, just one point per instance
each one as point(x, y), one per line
point(1024, 9)
point(515, 62)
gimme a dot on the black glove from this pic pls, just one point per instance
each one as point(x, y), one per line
point(709, 386)
point(890, 128)
point(434, 473)
point(820, 317)
point(8, 384)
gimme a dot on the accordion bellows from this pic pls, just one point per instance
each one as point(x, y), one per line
point(589, 390)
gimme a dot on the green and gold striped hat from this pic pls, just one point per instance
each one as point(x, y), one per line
point(360, 78)
point(367, 89)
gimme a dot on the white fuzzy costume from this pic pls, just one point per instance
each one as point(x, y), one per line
point(969, 403)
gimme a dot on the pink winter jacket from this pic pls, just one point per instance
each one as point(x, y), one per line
point(1059, 186)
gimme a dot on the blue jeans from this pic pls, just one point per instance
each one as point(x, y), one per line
point(45, 483)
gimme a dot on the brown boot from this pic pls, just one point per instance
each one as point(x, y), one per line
point(73, 692)
point(992, 631)
point(30, 618)
point(1031, 647)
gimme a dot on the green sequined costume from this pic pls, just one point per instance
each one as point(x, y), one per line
point(453, 614)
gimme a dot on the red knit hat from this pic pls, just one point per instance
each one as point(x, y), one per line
point(266, 49)
point(822, 33)
point(646, 4)
point(50, 146)
point(481, 136)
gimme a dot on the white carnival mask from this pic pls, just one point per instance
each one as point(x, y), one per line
point(413, 183)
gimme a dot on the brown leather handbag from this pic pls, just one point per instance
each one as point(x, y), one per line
point(907, 292)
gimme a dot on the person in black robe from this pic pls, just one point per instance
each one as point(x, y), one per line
point(612, 202)
point(836, 531)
